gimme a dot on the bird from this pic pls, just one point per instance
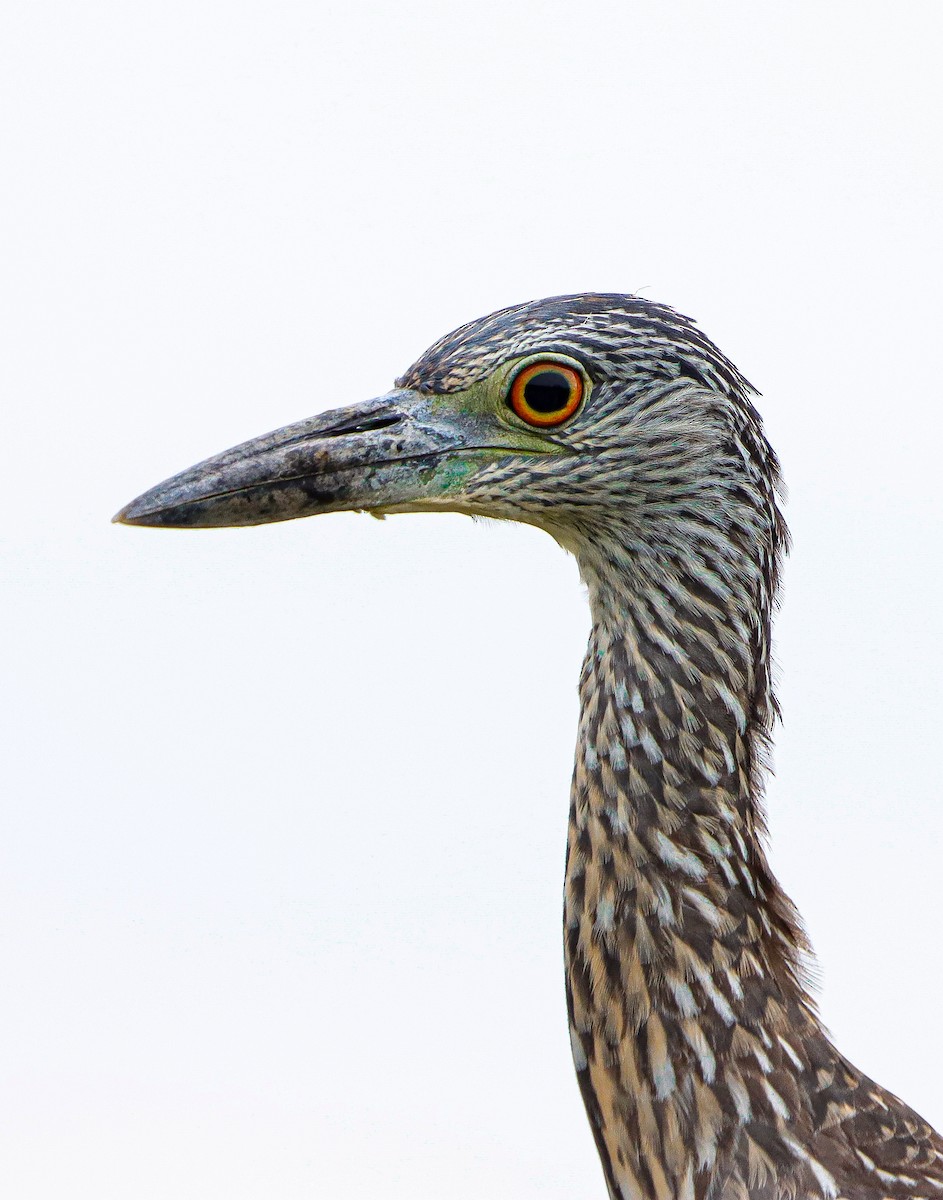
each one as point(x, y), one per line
point(615, 425)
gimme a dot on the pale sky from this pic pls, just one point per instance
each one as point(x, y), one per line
point(284, 808)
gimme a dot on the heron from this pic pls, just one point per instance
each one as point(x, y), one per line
point(614, 424)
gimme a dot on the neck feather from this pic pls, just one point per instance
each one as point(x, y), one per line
point(684, 957)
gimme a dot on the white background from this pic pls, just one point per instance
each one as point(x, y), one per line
point(284, 808)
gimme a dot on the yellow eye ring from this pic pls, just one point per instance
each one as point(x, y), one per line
point(546, 394)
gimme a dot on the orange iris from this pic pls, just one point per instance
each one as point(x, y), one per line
point(546, 393)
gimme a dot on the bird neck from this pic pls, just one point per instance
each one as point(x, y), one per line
point(666, 819)
point(683, 955)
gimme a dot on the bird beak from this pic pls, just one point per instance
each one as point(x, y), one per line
point(402, 452)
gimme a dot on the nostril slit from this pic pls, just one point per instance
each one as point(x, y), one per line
point(367, 425)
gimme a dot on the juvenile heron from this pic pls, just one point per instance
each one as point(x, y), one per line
point(619, 428)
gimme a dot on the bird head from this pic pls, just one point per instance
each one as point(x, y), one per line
point(609, 421)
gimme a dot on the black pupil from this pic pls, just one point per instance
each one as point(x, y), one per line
point(547, 391)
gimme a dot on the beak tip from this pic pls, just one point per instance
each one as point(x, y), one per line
point(126, 515)
point(137, 513)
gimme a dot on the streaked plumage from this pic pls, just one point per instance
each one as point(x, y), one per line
point(703, 1066)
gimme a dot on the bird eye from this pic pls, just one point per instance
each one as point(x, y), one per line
point(546, 393)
